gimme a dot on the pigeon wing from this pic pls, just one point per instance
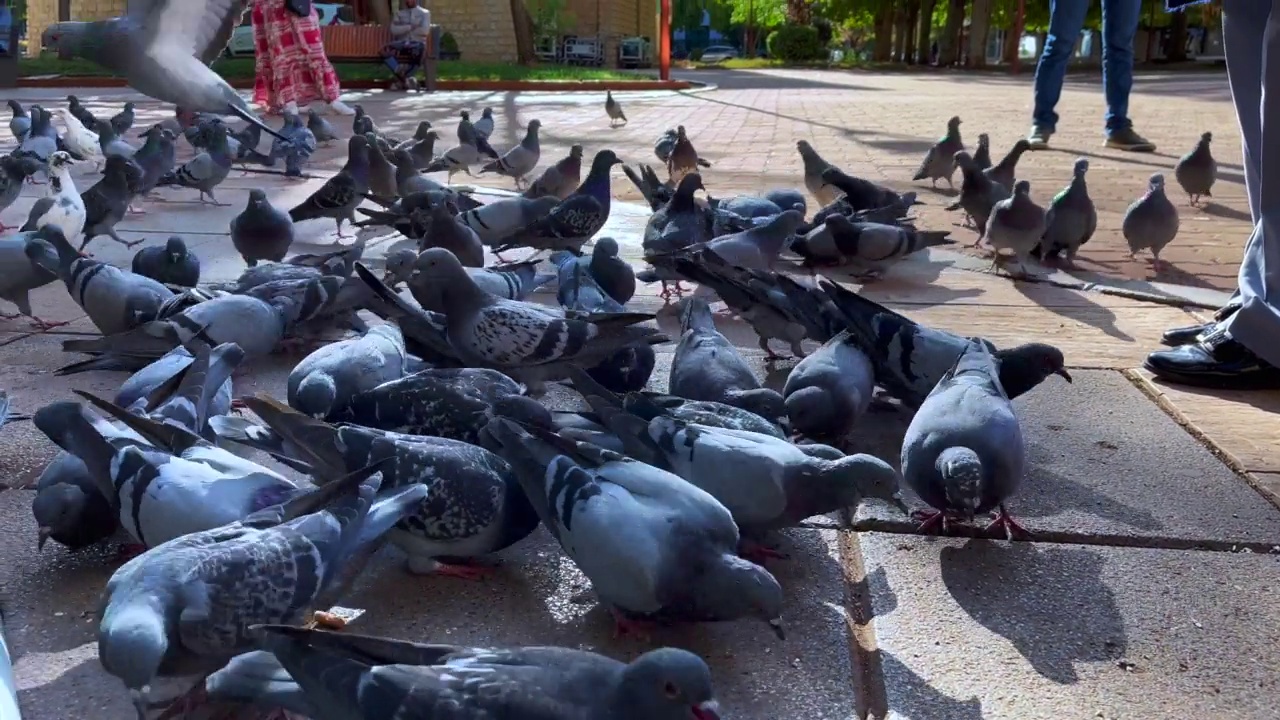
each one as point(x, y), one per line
point(191, 29)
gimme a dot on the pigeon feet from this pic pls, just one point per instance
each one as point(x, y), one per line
point(129, 551)
point(464, 572)
point(183, 705)
point(624, 626)
point(759, 553)
point(6, 228)
point(1012, 528)
point(930, 521)
point(40, 324)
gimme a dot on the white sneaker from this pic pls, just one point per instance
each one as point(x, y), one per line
point(341, 108)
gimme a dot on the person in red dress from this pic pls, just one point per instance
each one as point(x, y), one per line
point(290, 67)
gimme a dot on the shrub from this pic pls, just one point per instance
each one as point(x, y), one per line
point(695, 54)
point(794, 43)
point(448, 43)
point(825, 30)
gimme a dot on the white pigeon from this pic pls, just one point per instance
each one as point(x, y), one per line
point(62, 207)
point(80, 139)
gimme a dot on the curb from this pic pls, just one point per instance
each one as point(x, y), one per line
point(88, 81)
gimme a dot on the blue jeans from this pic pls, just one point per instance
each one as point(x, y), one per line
point(1066, 20)
point(403, 52)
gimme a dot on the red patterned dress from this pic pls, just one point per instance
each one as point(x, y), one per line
point(290, 64)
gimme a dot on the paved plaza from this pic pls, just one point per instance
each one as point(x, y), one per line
point(1151, 588)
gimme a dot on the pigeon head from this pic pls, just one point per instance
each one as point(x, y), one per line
point(60, 159)
point(129, 106)
point(604, 160)
point(440, 272)
point(964, 160)
point(840, 224)
point(814, 412)
point(16, 107)
point(1024, 367)
point(1022, 187)
point(132, 642)
point(680, 132)
point(786, 221)
point(257, 198)
point(1081, 167)
point(466, 116)
point(764, 402)
point(60, 510)
point(984, 140)
point(175, 249)
point(522, 409)
point(1155, 183)
point(534, 125)
point(1206, 138)
point(316, 395)
point(51, 234)
point(732, 587)
point(696, 315)
point(576, 152)
point(953, 124)
point(961, 471)
point(605, 247)
point(424, 128)
point(667, 683)
point(849, 480)
point(689, 184)
point(487, 114)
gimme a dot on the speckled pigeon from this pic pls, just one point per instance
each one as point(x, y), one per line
point(578, 217)
point(559, 180)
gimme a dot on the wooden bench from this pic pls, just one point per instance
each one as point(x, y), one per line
point(364, 43)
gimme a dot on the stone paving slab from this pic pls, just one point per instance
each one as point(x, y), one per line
point(973, 629)
point(1106, 465)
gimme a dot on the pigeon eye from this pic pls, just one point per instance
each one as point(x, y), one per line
point(669, 689)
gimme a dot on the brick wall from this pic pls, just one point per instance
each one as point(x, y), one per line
point(482, 27)
point(43, 13)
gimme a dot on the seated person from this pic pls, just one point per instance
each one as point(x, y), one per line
point(409, 32)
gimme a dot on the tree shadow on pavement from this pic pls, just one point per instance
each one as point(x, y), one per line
point(1087, 312)
point(729, 79)
point(1049, 602)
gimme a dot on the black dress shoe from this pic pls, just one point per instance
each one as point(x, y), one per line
point(1216, 361)
point(1175, 337)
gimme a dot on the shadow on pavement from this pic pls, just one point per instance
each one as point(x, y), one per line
point(1096, 315)
point(915, 698)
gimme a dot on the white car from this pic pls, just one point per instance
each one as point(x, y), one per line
point(241, 44)
point(719, 53)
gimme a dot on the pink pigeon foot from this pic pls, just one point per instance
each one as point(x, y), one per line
point(40, 324)
point(930, 521)
point(1012, 528)
point(623, 626)
point(758, 553)
point(464, 572)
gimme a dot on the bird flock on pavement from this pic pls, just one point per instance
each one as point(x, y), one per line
point(416, 418)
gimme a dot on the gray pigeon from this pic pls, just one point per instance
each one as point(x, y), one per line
point(592, 501)
point(156, 157)
point(325, 381)
point(205, 171)
point(163, 53)
point(1071, 219)
point(982, 156)
point(513, 281)
point(266, 568)
point(423, 149)
point(786, 198)
point(828, 391)
point(1151, 222)
point(142, 384)
point(706, 366)
point(20, 123)
point(41, 140)
point(1016, 224)
point(382, 172)
point(19, 274)
point(319, 127)
point(488, 331)
point(63, 207)
point(814, 166)
point(108, 200)
point(408, 179)
point(352, 676)
point(69, 506)
point(577, 289)
point(262, 231)
point(758, 247)
point(559, 180)
point(476, 505)
point(420, 133)
point(940, 162)
point(450, 233)
point(614, 275)
point(963, 452)
point(115, 300)
point(863, 196)
point(338, 197)
point(483, 127)
point(122, 121)
point(1197, 170)
point(577, 218)
point(112, 145)
point(978, 193)
point(868, 246)
point(613, 109)
point(171, 264)
point(1003, 171)
point(496, 221)
point(520, 160)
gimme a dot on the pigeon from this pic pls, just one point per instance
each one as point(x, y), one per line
point(786, 199)
point(13, 173)
point(156, 157)
point(706, 366)
point(107, 201)
point(80, 112)
point(666, 143)
point(673, 228)
point(613, 109)
point(1071, 219)
point(140, 388)
point(862, 195)
point(20, 123)
point(520, 160)
point(910, 358)
point(1003, 171)
point(684, 157)
point(978, 193)
point(164, 51)
point(617, 518)
point(477, 137)
point(340, 194)
point(814, 166)
point(172, 264)
point(496, 221)
point(361, 123)
point(382, 172)
point(205, 171)
point(456, 159)
point(41, 140)
point(513, 281)
point(559, 180)
point(613, 274)
point(262, 231)
point(422, 132)
point(828, 391)
point(488, 331)
point(266, 568)
point(447, 231)
point(421, 149)
point(408, 179)
point(324, 382)
point(872, 246)
point(1016, 224)
point(122, 121)
point(963, 452)
point(411, 214)
point(297, 150)
point(476, 507)
point(578, 217)
point(758, 247)
point(577, 289)
point(940, 162)
point(1151, 222)
point(21, 275)
point(320, 128)
point(79, 139)
point(115, 300)
point(69, 506)
point(63, 208)
point(109, 144)
point(1196, 171)
point(357, 676)
point(484, 126)
point(982, 156)
point(244, 144)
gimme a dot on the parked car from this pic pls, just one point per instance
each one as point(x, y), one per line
point(719, 53)
point(241, 44)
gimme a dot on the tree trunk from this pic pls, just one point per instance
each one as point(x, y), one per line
point(1177, 50)
point(1012, 43)
point(899, 37)
point(882, 39)
point(979, 25)
point(949, 41)
point(522, 23)
point(908, 30)
point(799, 12)
point(381, 11)
point(924, 34)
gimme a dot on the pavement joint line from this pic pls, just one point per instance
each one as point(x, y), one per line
point(870, 691)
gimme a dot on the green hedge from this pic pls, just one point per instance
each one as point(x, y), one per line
point(795, 43)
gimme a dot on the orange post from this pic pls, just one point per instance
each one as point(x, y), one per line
point(664, 39)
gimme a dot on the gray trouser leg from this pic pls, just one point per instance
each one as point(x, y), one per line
point(1251, 33)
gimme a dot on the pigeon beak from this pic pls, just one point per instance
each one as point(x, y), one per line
point(776, 624)
point(709, 710)
point(900, 503)
point(1062, 372)
point(174, 257)
point(389, 279)
point(43, 536)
